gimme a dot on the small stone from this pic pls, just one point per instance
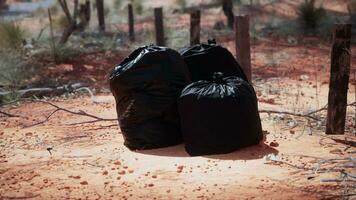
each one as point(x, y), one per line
point(84, 183)
point(274, 144)
point(117, 163)
point(28, 134)
point(122, 172)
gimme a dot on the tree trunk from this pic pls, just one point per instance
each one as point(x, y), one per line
point(195, 27)
point(101, 15)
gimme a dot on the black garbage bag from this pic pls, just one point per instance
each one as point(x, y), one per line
point(205, 59)
point(219, 116)
point(146, 86)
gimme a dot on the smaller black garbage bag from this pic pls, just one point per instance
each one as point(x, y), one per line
point(146, 86)
point(219, 116)
point(206, 58)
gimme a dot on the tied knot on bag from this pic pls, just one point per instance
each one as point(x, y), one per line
point(218, 77)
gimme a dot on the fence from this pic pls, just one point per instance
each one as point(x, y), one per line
point(158, 33)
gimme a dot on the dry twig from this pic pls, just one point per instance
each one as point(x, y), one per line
point(307, 115)
point(288, 113)
point(9, 114)
point(80, 112)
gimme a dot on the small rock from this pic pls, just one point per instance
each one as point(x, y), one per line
point(84, 183)
point(28, 134)
point(122, 172)
point(304, 77)
point(75, 177)
point(273, 144)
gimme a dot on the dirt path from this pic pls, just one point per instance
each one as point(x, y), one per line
point(89, 161)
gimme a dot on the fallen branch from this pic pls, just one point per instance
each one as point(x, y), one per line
point(21, 197)
point(80, 112)
point(318, 110)
point(39, 92)
point(326, 107)
point(288, 113)
point(8, 114)
point(308, 115)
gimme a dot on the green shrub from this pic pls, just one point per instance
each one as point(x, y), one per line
point(12, 68)
point(64, 53)
point(310, 16)
point(11, 35)
point(15, 71)
point(54, 9)
point(106, 11)
point(137, 5)
point(61, 22)
point(60, 53)
point(182, 4)
point(117, 4)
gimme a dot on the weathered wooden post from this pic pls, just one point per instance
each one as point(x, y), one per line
point(84, 15)
point(339, 79)
point(228, 7)
point(87, 10)
point(101, 15)
point(158, 12)
point(53, 44)
point(242, 43)
point(131, 22)
point(195, 27)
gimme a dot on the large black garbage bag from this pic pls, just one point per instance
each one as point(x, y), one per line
point(146, 86)
point(205, 59)
point(219, 116)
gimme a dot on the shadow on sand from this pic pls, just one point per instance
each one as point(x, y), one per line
point(248, 153)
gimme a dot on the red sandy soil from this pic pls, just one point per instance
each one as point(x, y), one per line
point(89, 161)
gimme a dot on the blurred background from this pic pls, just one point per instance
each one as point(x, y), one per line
point(288, 37)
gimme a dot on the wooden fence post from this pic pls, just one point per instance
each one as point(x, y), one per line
point(88, 11)
point(131, 23)
point(84, 15)
point(100, 12)
point(339, 79)
point(195, 27)
point(52, 36)
point(228, 7)
point(242, 44)
point(158, 12)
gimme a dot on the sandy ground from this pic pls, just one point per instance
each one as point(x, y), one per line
point(89, 161)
